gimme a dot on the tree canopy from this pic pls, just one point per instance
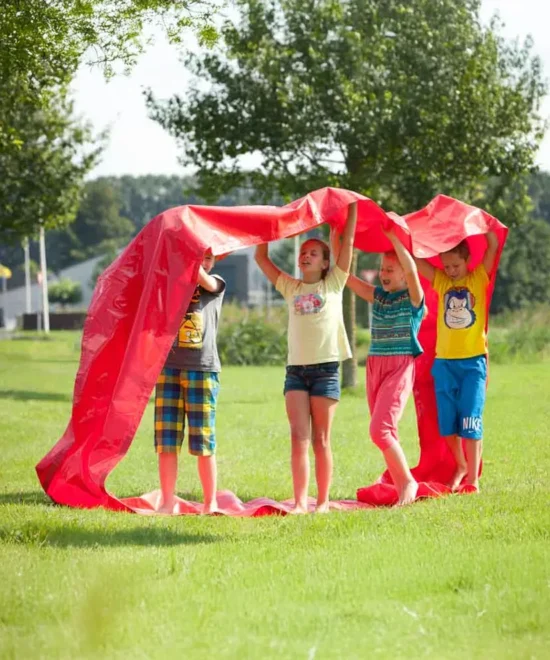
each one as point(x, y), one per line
point(45, 152)
point(397, 100)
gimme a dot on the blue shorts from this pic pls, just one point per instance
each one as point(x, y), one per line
point(316, 379)
point(460, 393)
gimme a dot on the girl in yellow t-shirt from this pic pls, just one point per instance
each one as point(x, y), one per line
point(317, 342)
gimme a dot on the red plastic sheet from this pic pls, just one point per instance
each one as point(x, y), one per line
point(138, 305)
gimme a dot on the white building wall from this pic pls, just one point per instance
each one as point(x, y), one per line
point(13, 301)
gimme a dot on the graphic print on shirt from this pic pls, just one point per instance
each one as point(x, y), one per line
point(309, 303)
point(191, 331)
point(459, 308)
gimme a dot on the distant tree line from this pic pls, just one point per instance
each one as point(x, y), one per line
point(114, 209)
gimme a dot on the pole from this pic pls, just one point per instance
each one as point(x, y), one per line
point(27, 276)
point(43, 269)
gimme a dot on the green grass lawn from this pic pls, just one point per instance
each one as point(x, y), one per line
point(460, 577)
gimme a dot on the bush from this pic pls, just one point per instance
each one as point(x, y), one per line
point(65, 292)
point(247, 337)
point(520, 336)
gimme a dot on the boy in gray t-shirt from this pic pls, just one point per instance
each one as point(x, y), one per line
point(188, 387)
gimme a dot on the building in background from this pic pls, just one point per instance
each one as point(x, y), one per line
point(246, 285)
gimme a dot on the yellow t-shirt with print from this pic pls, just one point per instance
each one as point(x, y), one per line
point(461, 315)
point(316, 332)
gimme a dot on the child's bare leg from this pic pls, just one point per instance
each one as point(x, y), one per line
point(403, 480)
point(322, 414)
point(168, 474)
point(297, 408)
point(454, 442)
point(473, 459)
point(208, 474)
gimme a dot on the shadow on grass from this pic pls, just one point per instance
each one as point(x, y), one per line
point(26, 395)
point(76, 535)
point(20, 497)
point(73, 537)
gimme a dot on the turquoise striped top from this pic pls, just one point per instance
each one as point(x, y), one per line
point(395, 324)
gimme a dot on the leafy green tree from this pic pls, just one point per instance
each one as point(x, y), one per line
point(524, 273)
point(397, 100)
point(144, 197)
point(42, 178)
point(99, 227)
point(65, 292)
point(539, 193)
point(118, 200)
point(44, 152)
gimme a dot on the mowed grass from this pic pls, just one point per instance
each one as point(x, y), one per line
point(459, 577)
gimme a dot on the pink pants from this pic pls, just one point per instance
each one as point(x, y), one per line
point(389, 382)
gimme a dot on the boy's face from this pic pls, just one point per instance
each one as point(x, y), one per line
point(208, 262)
point(392, 276)
point(455, 266)
point(311, 258)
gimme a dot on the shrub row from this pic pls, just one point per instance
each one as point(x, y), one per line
point(252, 337)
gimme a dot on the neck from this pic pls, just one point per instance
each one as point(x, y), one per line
point(311, 278)
point(400, 287)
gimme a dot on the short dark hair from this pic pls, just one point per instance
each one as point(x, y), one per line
point(461, 249)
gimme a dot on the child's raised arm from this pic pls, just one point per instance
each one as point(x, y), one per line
point(409, 267)
point(425, 269)
point(212, 284)
point(361, 288)
point(343, 261)
point(357, 285)
point(268, 268)
point(491, 252)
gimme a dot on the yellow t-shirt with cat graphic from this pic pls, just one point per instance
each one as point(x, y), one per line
point(461, 315)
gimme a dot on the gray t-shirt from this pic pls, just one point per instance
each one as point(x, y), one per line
point(195, 347)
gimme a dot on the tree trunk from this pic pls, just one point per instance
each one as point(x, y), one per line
point(349, 367)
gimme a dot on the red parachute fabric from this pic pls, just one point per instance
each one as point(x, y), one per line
point(438, 227)
point(137, 308)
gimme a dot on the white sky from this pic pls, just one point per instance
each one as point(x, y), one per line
point(138, 145)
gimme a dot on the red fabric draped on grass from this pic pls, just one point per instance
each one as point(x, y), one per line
point(138, 305)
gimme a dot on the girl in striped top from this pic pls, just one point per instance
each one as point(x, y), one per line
point(398, 310)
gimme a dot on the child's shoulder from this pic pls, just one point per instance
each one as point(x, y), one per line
point(480, 274)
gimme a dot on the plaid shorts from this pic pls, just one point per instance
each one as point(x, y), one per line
point(180, 393)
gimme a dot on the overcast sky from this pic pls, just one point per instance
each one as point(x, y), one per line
point(138, 145)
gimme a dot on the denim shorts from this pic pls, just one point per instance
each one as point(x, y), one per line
point(316, 379)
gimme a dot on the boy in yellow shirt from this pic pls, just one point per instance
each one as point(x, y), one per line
point(460, 365)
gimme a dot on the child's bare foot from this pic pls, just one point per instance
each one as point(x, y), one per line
point(408, 494)
point(473, 484)
point(299, 509)
point(458, 476)
point(167, 505)
point(322, 507)
point(210, 507)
